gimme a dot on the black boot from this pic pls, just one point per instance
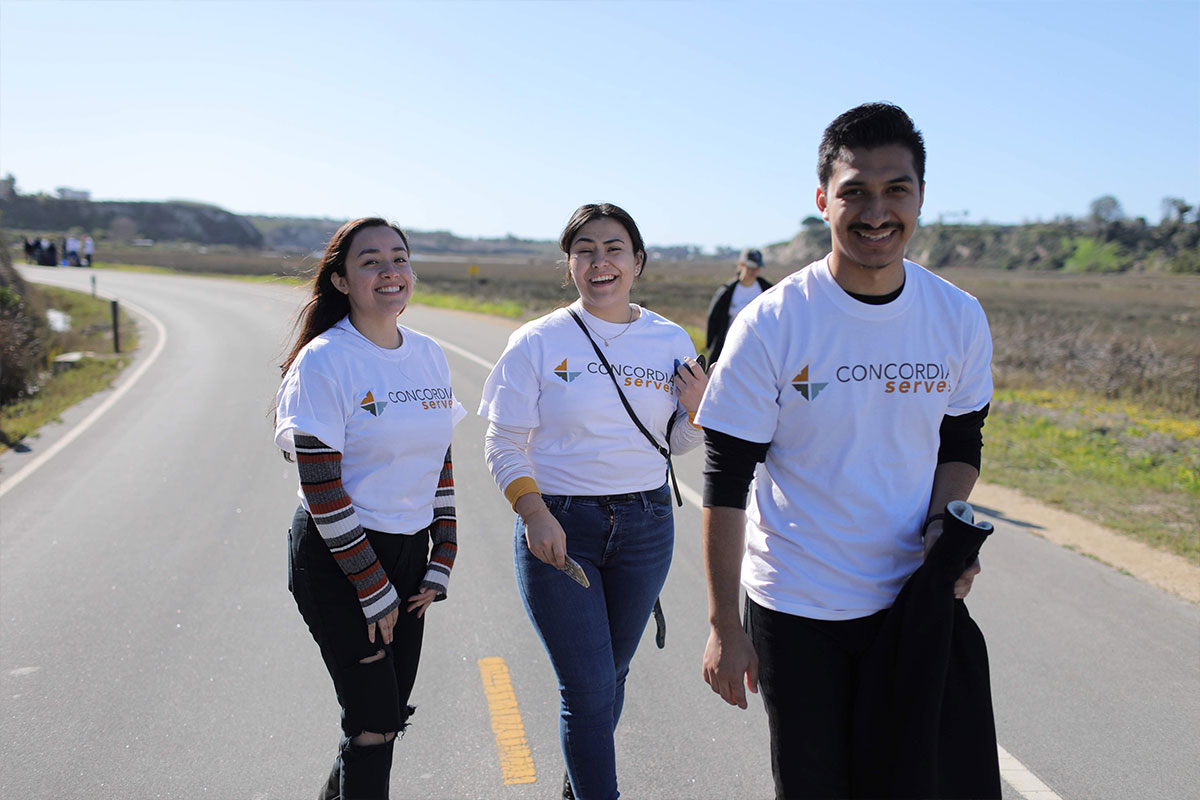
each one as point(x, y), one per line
point(332, 790)
point(366, 771)
point(568, 793)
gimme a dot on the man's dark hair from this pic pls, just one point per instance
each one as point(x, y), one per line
point(868, 126)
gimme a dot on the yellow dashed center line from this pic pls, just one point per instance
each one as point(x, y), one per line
point(516, 760)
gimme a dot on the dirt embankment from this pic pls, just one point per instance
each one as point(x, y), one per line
point(1164, 570)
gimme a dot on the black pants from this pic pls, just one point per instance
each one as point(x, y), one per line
point(374, 696)
point(808, 676)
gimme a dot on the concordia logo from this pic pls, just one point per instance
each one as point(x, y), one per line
point(369, 403)
point(561, 371)
point(809, 389)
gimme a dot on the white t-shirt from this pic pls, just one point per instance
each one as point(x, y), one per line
point(851, 398)
point(741, 297)
point(582, 440)
point(391, 414)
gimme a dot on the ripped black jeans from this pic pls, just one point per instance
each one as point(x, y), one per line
point(374, 696)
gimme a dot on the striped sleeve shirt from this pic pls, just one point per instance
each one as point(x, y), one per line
point(321, 481)
point(443, 533)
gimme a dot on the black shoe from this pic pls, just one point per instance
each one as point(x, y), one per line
point(568, 793)
point(366, 770)
point(332, 790)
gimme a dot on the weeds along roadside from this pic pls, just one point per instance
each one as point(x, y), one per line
point(1118, 463)
point(1097, 409)
point(50, 393)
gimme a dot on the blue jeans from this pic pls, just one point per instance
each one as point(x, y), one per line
point(624, 545)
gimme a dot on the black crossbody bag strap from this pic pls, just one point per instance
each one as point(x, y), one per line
point(663, 451)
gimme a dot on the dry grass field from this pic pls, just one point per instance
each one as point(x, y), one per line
point(1097, 407)
point(1123, 336)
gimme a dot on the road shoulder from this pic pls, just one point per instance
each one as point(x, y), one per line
point(1167, 571)
point(33, 451)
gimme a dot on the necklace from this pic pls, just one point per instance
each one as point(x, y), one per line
point(608, 339)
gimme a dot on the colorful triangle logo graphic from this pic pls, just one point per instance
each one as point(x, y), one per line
point(562, 372)
point(805, 387)
point(370, 404)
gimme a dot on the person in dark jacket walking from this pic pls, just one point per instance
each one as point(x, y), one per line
point(853, 395)
point(732, 297)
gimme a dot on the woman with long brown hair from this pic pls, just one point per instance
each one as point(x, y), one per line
point(366, 408)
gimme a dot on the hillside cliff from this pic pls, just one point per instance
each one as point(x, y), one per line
point(125, 220)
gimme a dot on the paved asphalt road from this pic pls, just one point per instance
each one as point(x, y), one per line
point(149, 647)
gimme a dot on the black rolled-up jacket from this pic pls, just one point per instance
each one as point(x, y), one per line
point(923, 725)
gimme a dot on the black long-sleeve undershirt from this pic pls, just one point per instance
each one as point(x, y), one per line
point(962, 437)
point(729, 464)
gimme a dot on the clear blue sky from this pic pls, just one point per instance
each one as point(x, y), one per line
point(702, 119)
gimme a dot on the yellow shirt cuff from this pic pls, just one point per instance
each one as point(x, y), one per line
point(518, 489)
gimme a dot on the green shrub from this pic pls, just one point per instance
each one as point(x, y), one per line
point(1186, 262)
point(22, 350)
point(1093, 255)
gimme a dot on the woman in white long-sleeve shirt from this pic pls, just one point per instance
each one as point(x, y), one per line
point(588, 487)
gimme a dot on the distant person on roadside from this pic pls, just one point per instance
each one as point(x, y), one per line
point(860, 384)
point(367, 411)
point(732, 297)
point(89, 249)
point(49, 256)
point(72, 251)
point(31, 249)
point(594, 530)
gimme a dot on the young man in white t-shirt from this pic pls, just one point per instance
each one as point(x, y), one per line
point(860, 383)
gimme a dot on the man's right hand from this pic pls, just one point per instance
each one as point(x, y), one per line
point(728, 657)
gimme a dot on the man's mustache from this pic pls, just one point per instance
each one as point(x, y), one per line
point(859, 226)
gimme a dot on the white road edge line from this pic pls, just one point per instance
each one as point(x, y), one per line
point(1012, 771)
point(112, 399)
point(467, 354)
point(1018, 776)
